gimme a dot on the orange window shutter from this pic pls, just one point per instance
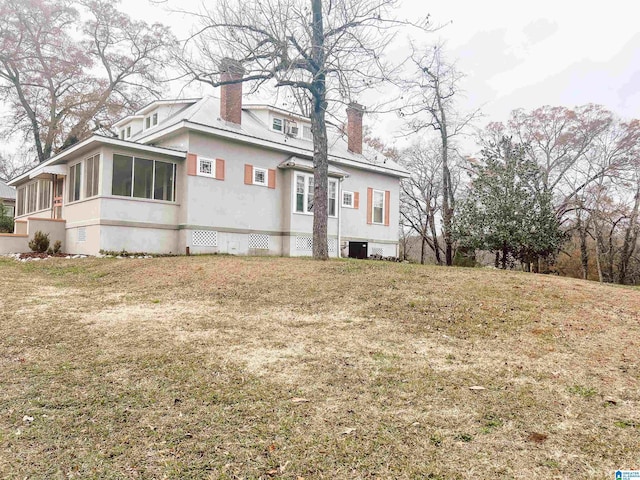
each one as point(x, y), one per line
point(272, 178)
point(219, 169)
point(387, 209)
point(356, 200)
point(248, 174)
point(369, 205)
point(192, 164)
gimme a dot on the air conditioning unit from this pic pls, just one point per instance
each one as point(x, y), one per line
point(292, 129)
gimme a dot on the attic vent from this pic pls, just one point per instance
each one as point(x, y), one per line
point(82, 234)
point(259, 241)
point(204, 238)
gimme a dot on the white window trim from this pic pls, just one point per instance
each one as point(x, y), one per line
point(265, 176)
point(86, 160)
point(128, 132)
point(373, 207)
point(82, 174)
point(213, 167)
point(153, 182)
point(310, 137)
point(344, 205)
point(306, 196)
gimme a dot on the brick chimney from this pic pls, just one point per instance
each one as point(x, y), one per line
point(354, 127)
point(231, 94)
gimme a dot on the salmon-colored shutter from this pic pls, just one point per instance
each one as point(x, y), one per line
point(192, 164)
point(248, 174)
point(272, 178)
point(219, 169)
point(369, 205)
point(356, 200)
point(387, 200)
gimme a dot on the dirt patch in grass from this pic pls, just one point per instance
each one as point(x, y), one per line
point(221, 367)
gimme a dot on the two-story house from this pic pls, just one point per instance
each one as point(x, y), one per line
point(212, 175)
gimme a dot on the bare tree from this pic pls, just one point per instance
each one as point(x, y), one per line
point(61, 81)
point(433, 95)
point(420, 195)
point(331, 51)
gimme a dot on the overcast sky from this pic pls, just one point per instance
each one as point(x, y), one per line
point(549, 52)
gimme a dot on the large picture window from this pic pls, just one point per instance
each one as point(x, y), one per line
point(143, 178)
point(44, 194)
point(304, 186)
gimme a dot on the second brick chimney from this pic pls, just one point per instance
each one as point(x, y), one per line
point(354, 127)
point(231, 94)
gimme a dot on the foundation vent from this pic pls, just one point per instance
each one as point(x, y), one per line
point(204, 238)
point(259, 241)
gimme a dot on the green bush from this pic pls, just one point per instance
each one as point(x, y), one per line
point(40, 242)
point(57, 246)
point(6, 224)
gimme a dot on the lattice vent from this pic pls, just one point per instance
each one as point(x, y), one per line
point(331, 245)
point(377, 251)
point(259, 241)
point(304, 243)
point(204, 238)
point(82, 234)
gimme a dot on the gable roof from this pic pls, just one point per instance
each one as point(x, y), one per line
point(7, 192)
point(204, 115)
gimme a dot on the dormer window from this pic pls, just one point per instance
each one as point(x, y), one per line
point(128, 132)
point(278, 124)
point(151, 121)
point(122, 132)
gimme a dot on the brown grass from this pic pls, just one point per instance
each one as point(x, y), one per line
point(220, 367)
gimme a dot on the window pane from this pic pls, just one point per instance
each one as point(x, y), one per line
point(259, 176)
point(277, 124)
point(163, 189)
point(121, 183)
point(205, 167)
point(310, 194)
point(142, 178)
point(299, 193)
point(378, 206)
point(332, 198)
point(96, 174)
point(44, 194)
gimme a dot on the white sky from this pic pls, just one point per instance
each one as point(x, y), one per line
point(515, 54)
point(518, 54)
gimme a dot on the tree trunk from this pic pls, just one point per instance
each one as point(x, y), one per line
point(434, 235)
point(447, 188)
point(496, 262)
point(584, 253)
point(630, 239)
point(320, 144)
point(504, 257)
point(422, 250)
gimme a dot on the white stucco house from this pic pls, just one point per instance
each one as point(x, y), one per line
point(212, 175)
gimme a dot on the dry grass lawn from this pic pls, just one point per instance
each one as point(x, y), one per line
point(221, 367)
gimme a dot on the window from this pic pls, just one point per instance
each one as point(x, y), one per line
point(378, 206)
point(75, 172)
point(122, 132)
point(332, 191)
point(277, 124)
point(128, 132)
point(304, 188)
point(92, 176)
point(143, 178)
point(32, 197)
point(259, 176)
point(9, 211)
point(21, 201)
point(347, 199)
point(44, 194)
point(151, 121)
point(306, 132)
point(206, 167)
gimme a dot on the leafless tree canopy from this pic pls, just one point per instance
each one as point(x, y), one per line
point(330, 51)
point(67, 66)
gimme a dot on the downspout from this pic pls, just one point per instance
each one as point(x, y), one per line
point(339, 209)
